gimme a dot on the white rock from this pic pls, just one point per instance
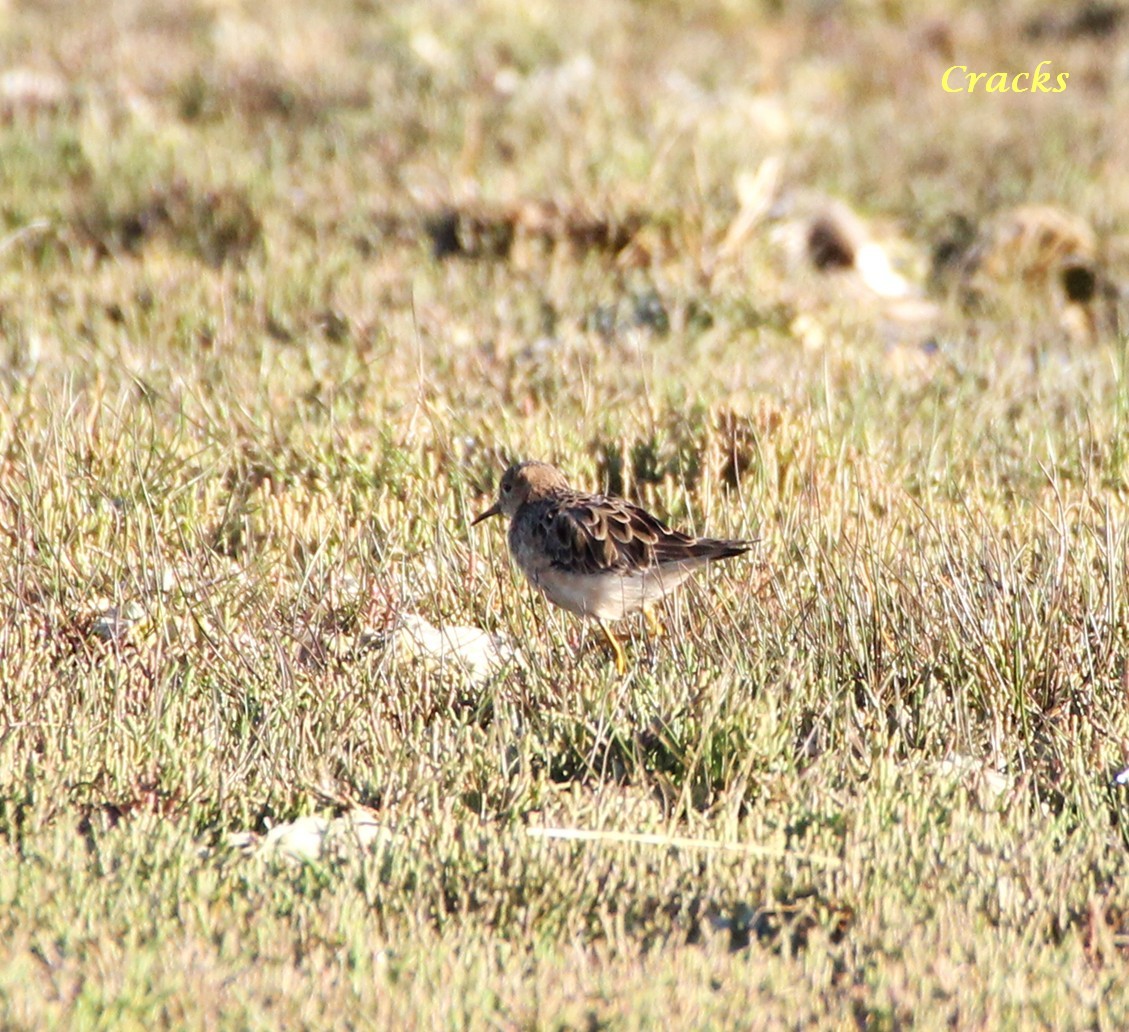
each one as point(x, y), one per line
point(28, 88)
point(475, 653)
point(313, 838)
point(302, 839)
point(115, 623)
point(976, 775)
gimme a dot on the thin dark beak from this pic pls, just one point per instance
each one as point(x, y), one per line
point(492, 511)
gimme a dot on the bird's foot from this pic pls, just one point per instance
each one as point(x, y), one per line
point(617, 649)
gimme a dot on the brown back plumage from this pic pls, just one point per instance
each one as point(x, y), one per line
point(569, 531)
point(595, 534)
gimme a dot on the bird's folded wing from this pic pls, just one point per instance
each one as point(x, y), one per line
point(607, 535)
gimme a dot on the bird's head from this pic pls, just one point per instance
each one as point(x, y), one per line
point(524, 482)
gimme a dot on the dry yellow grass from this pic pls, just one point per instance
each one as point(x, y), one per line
point(282, 289)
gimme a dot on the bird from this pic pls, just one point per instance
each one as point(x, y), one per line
point(594, 555)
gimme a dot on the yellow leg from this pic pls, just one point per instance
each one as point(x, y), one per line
point(653, 624)
point(617, 648)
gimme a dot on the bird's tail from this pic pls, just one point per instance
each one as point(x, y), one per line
point(715, 548)
point(702, 549)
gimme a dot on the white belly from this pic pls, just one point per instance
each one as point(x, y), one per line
point(610, 596)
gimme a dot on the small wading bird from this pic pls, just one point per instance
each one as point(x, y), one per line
point(593, 555)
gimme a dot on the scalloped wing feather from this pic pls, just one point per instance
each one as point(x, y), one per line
point(593, 534)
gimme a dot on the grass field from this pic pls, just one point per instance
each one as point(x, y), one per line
point(282, 289)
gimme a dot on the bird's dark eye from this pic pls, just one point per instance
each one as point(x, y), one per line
point(506, 486)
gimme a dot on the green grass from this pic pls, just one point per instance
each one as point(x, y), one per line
point(243, 399)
